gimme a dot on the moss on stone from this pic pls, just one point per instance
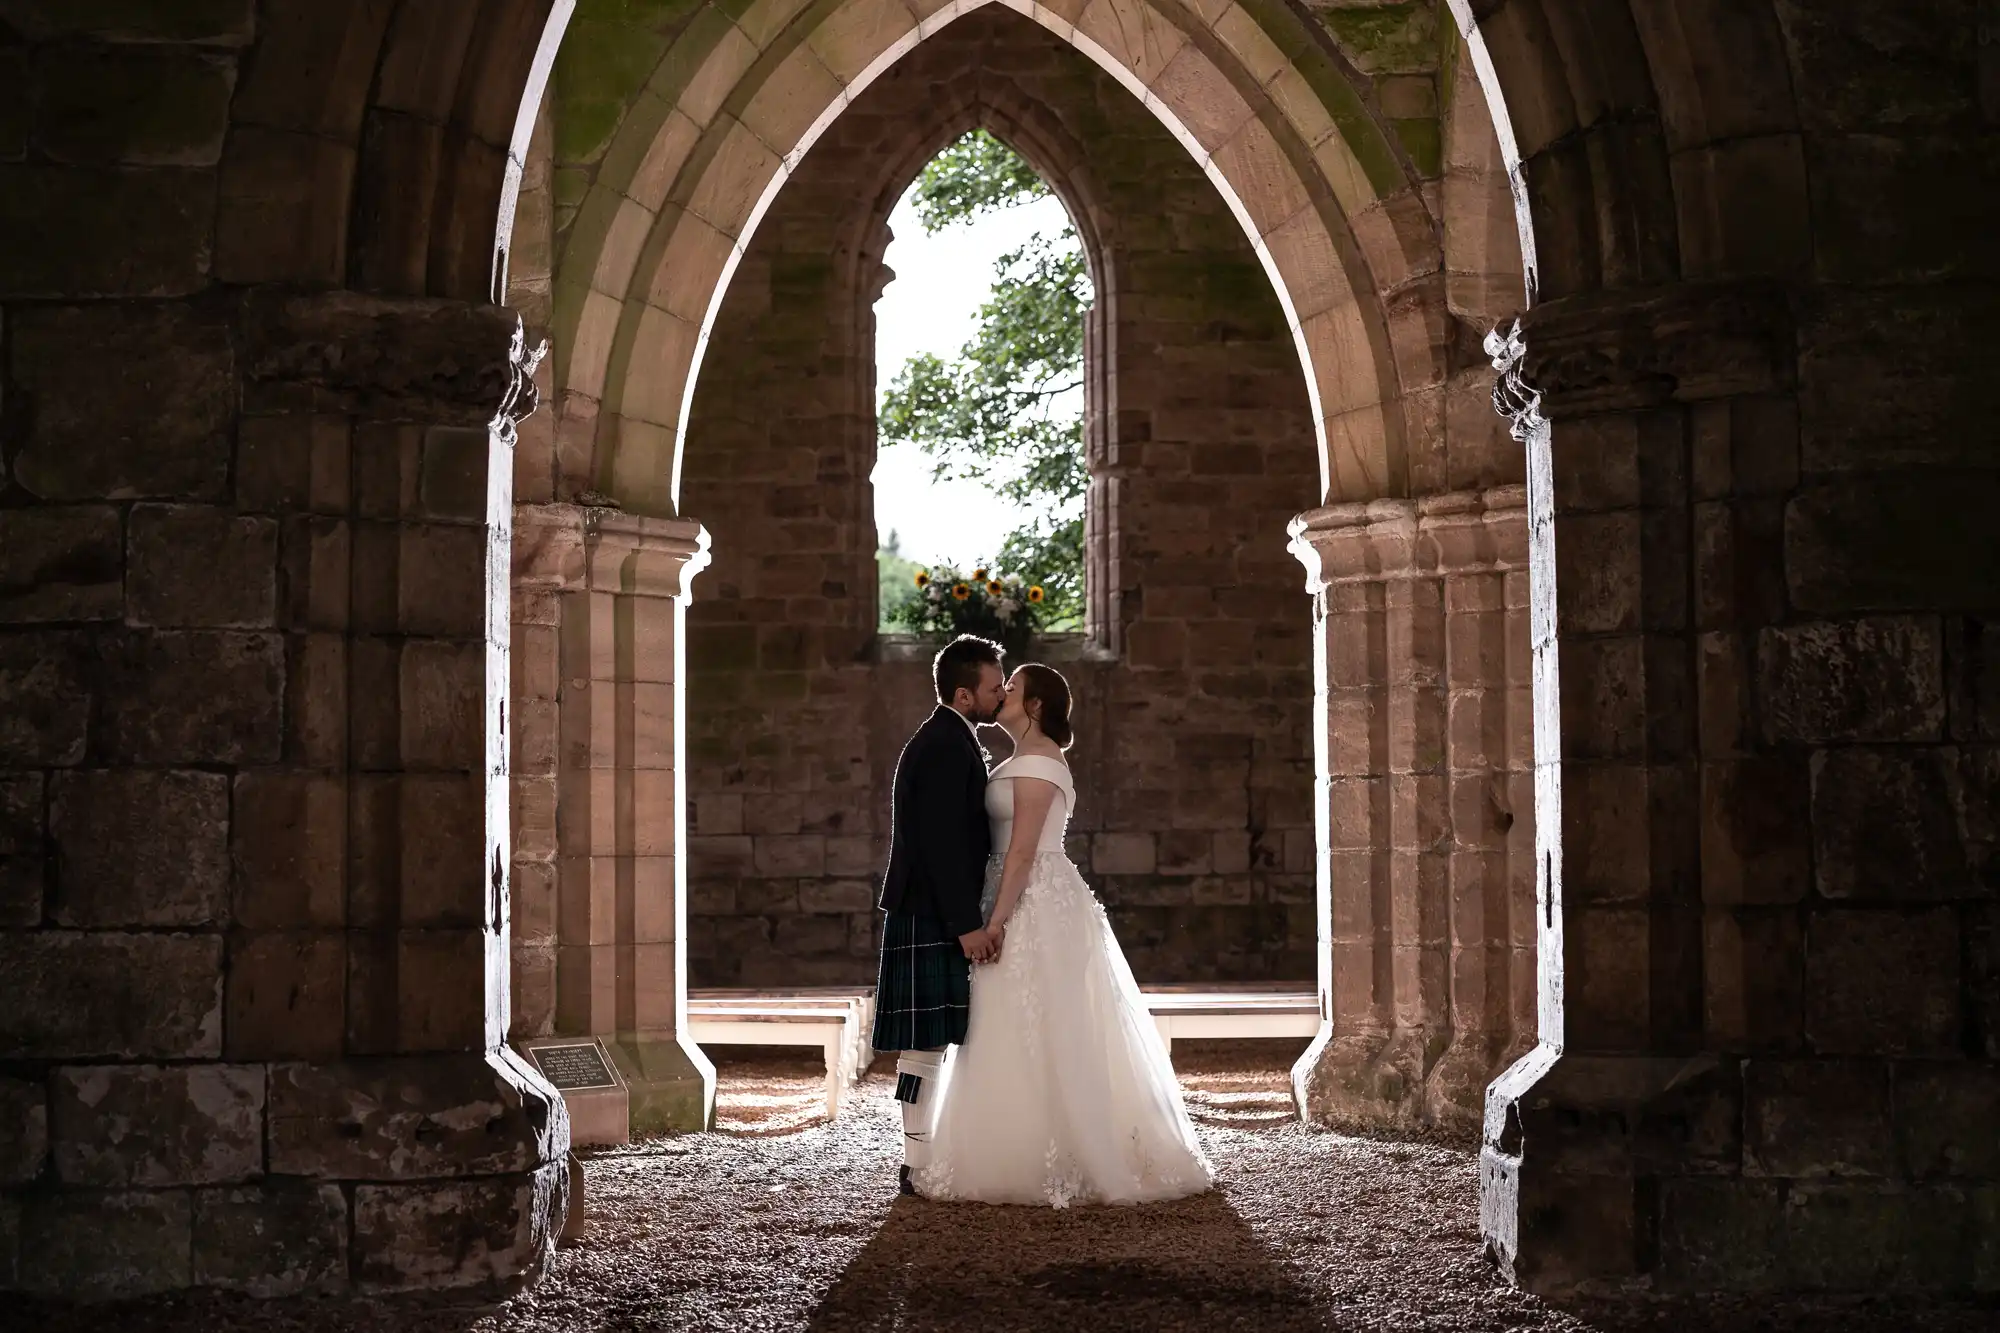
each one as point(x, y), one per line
point(1423, 139)
point(608, 53)
point(1394, 39)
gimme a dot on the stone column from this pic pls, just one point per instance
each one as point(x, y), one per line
point(1420, 811)
point(255, 847)
point(1760, 1062)
point(620, 586)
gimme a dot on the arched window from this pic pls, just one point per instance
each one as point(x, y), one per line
point(981, 480)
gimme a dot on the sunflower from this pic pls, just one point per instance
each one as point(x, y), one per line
point(960, 591)
point(979, 573)
point(923, 579)
point(1035, 593)
point(996, 588)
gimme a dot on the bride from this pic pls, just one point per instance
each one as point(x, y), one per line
point(1062, 1091)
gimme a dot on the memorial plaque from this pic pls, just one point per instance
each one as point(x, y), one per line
point(574, 1066)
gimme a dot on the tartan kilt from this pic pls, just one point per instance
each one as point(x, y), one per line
point(923, 994)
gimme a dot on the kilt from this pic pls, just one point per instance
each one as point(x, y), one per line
point(923, 994)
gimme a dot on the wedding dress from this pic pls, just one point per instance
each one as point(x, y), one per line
point(1062, 1091)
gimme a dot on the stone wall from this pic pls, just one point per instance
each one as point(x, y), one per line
point(1194, 752)
point(252, 894)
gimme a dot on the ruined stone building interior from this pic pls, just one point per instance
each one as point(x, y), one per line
point(1542, 608)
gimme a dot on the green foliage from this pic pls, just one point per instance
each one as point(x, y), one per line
point(975, 175)
point(895, 580)
point(1004, 412)
point(948, 602)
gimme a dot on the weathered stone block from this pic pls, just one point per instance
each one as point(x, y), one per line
point(1945, 1119)
point(410, 1118)
point(286, 995)
point(159, 427)
point(84, 1244)
point(1753, 978)
point(17, 107)
point(801, 855)
point(804, 936)
point(442, 684)
point(1982, 978)
point(44, 699)
point(1879, 679)
point(1755, 830)
point(276, 221)
point(151, 105)
point(116, 995)
point(225, 22)
point(1882, 376)
point(194, 696)
point(1888, 825)
point(1721, 1235)
point(1875, 1237)
point(24, 1129)
point(291, 462)
point(139, 848)
point(199, 566)
point(1972, 654)
point(275, 1239)
point(1883, 982)
point(475, 1233)
point(443, 979)
point(131, 231)
point(1807, 1118)
point(24, 851)
point(395, 359)
point(441, 580)
point(60, 563)
point(451, 483)
point(288, 840)
point(443, 875)
point(152, 1126)
point(837, 895)
point(1891, 541)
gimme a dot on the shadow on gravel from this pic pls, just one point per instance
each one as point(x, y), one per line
point(1192, 1264)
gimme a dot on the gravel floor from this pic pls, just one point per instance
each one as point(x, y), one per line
point(780, 1221)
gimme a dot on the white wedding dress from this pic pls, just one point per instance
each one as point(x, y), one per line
point(1062, 1092)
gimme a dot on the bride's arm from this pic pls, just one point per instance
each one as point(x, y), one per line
point(1033, 799)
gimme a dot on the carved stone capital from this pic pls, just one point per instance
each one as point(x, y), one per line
point(385, 358)
point(572, 548)
point(1624, 351)
point(1462, 532)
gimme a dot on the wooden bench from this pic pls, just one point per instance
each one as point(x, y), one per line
point(834, 1018)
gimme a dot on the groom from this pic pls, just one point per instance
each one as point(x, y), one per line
point(938, 846)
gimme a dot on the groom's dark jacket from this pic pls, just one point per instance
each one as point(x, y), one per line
point(939, 837)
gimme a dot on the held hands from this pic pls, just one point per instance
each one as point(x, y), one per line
point(983, 946)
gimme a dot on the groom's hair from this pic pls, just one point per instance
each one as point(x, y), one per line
point(958, 663)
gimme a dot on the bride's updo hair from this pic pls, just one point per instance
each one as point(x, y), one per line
point(1045, 685)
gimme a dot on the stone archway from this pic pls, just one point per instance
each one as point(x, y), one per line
point(1323, 193)
point(662, 222)
point(1767, 479)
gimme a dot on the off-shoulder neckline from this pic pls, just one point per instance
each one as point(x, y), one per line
point(1059, 764)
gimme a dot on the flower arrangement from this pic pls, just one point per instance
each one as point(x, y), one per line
point(1001, 607)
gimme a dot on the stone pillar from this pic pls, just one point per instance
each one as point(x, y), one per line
point(255, 851)
point(618, 587)
point(1424, 813)
point(1764, 789)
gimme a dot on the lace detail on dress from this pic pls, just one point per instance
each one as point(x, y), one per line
point(1062, 1093)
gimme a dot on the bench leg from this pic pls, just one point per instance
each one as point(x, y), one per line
point(836, 1067)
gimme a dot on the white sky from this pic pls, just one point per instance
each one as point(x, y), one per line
point(933, 306)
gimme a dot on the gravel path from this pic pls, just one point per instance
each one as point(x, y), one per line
point(779, 1221)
